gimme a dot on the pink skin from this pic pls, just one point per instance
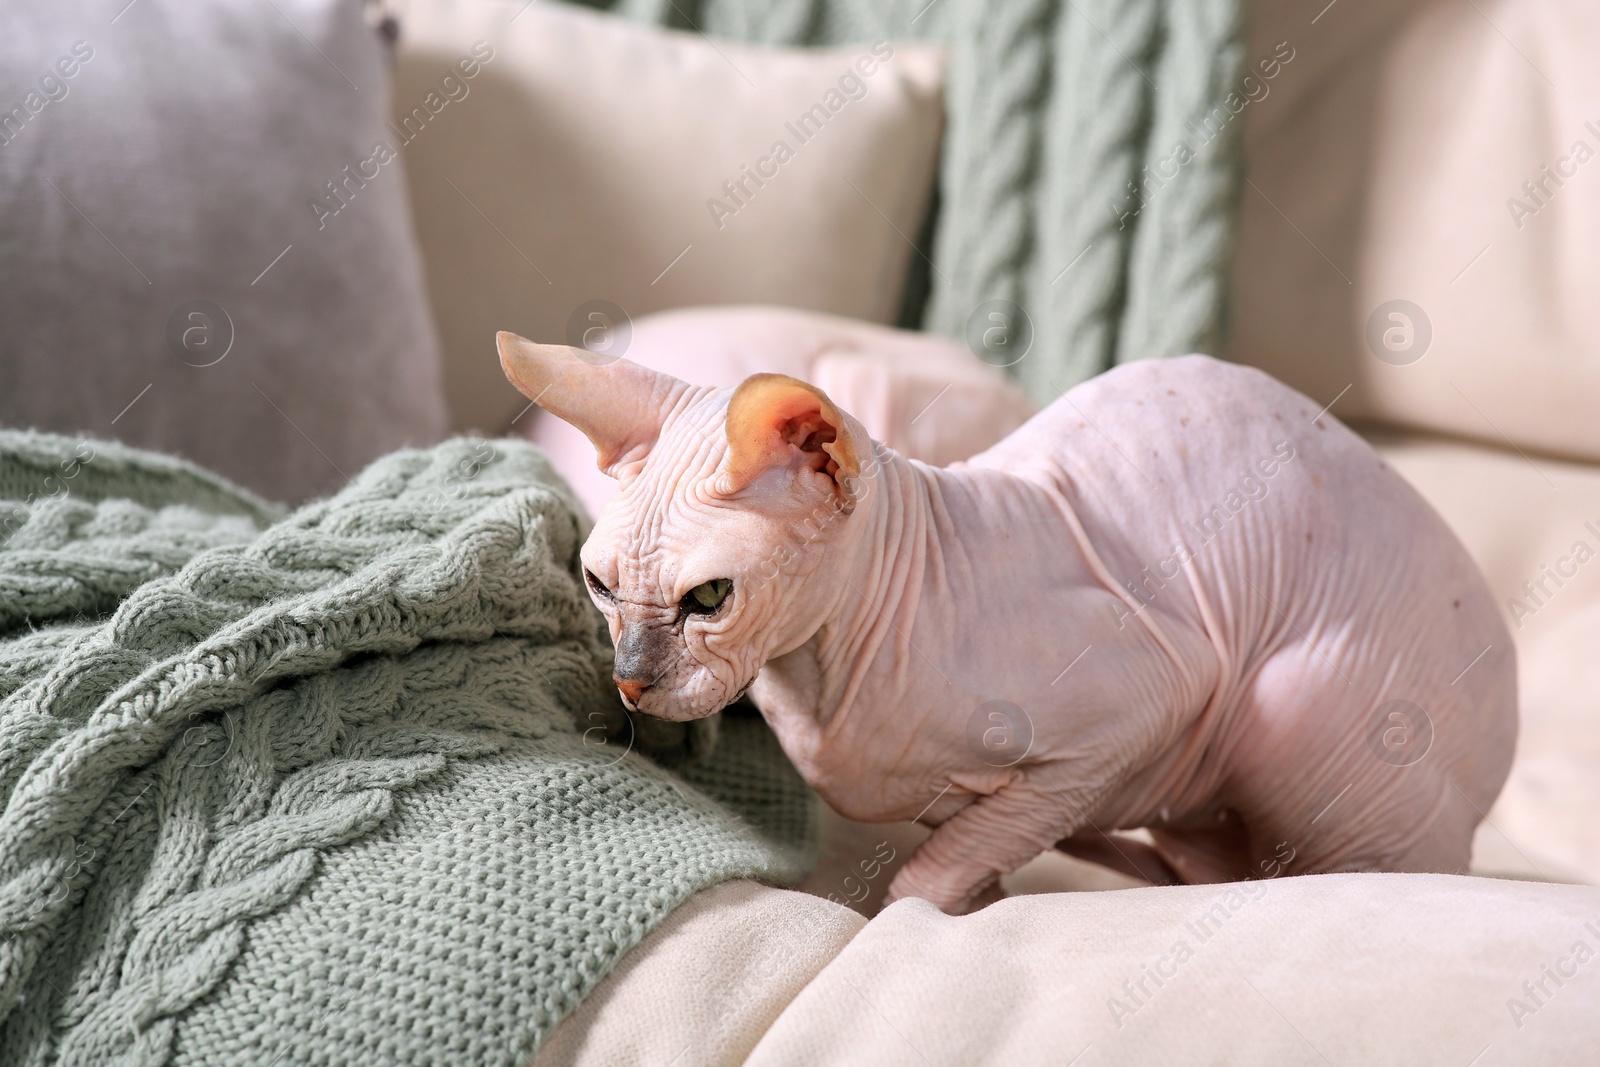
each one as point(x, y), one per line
point(886, 378)
point(1200, 594)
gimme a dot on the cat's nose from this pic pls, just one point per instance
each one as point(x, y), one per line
point(631, 689)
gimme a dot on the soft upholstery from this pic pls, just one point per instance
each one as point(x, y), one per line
point(183, 159)
point(332, 787)
point(926, 396)
point(1064, 192)
point(705, 985)
point(582, 161)
point(1370, 969)
point(1387, 164)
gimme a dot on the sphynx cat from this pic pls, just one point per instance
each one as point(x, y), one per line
point(1208, 609)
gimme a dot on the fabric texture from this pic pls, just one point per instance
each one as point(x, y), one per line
point(1353, 968)
point(592, 170)
point(1088, 172)
point(1348, 968)
point(205, 252)
point(1435, 161)
point(733, 956)
point(347, 787)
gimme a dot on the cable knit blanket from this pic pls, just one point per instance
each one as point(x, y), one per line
point(346, 786)
point(1090, 166)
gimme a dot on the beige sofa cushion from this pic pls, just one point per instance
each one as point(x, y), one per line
point(1387, 163)
point(704, 986)
point(1368, 969)
point(586, 160)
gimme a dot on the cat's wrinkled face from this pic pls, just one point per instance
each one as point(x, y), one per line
point(701, 590)
point(713, 557)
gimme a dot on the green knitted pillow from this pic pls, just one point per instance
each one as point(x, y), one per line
point(347, 787)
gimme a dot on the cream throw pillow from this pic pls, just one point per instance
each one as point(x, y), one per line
point(594, 160)
point(1441, 153)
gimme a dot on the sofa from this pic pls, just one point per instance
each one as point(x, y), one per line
point(1413, 245)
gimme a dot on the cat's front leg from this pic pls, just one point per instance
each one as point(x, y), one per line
point(958, 867)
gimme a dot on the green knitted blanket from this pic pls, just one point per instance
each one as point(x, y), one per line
point(1063, 189)
point(345, 786)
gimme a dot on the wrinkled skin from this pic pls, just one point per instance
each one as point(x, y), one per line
point(1198, 596)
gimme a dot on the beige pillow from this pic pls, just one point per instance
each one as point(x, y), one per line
point(593, 160)
point(1389, 162)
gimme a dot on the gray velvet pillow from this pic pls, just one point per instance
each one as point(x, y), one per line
point(167, 276)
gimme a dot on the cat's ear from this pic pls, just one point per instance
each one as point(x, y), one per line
point(619, 406)
point(775, 421)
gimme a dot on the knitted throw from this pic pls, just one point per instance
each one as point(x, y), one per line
point(344, 787)
point(1061, 188)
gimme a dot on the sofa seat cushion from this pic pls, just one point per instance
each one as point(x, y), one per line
point(1351, 968)
point(1348, 968)
point(705, 985)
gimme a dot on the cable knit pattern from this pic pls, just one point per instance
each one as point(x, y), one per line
point(366, 757)
point(1093, 157)
point(1186, 226)
point(1052, 109)
point(1001, 72)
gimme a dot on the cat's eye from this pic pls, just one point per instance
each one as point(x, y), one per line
point(597, 586)
point(707, 597)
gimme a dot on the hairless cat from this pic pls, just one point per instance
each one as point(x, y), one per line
point(1180, 598)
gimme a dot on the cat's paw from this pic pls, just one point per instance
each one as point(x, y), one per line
point(958, 867)
point(944, 894)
